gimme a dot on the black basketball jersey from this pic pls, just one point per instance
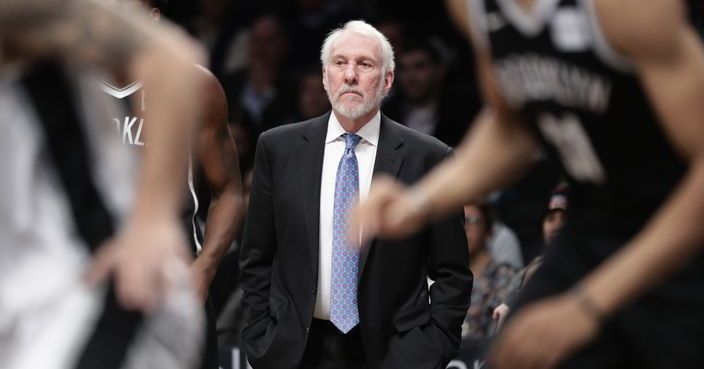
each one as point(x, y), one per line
point(556, 69)
point(130, 129)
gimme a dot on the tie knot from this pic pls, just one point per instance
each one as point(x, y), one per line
point(351, 140)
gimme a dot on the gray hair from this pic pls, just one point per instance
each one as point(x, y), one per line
point(360, 26)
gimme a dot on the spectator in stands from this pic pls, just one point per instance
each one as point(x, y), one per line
point(504, 245)
point(553, 222)
point(263, 88)
point(424, 100)
point(556, 215)
point(491, 279)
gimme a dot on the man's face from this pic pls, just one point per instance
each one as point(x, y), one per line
point(552, 224)
point(476, 229)
point(418, 76)
point(353, 76)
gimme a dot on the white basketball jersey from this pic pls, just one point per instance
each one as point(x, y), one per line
point(129, 127)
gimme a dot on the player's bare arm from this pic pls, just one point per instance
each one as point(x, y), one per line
point(217, 156)
point(84, 31)
point(497, 151)
point(76, 30)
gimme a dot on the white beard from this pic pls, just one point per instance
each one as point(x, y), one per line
point(358, 110)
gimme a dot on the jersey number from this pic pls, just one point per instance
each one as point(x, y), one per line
point(578, 156)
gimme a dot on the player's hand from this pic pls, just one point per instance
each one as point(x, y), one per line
point(143, 259)
point(389, 211)
point(543, 335)
point(500, 312)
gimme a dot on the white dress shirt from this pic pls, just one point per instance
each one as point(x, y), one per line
point(334, 149)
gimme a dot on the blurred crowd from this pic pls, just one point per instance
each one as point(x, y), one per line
point(266, 55)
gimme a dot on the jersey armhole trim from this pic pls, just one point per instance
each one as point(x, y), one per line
point(196, 205)
point(601, 46)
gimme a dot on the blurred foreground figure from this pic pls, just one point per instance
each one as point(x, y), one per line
point(619, 103)
point(213, 172)
point(93, 271)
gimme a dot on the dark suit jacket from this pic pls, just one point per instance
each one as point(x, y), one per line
point(279, 257)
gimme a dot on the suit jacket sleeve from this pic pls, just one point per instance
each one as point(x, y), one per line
point(450, 295)
point(259, 241)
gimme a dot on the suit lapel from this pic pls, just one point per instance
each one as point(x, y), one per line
point(389, 157)
point(311, 155)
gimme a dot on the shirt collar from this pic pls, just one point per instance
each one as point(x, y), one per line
point(369, 132)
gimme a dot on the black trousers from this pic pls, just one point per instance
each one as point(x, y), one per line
point(328, 348)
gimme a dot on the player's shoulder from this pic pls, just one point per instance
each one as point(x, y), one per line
point(205, 73)
point(638, 10)
point(213, 98)
point(210, 81)
point(635, 34)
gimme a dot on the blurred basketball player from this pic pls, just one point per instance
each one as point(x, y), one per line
point(614, 90)
point(65, 192)
point(212, 155)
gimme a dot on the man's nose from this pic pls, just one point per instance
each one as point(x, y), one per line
point(351, 74)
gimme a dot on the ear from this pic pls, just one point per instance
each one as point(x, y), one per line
point(156, 14)
point(388, 81)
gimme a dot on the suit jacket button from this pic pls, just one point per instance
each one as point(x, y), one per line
point(307, 330)
point(313, 290)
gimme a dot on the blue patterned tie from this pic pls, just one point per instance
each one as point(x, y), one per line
point(345, 256)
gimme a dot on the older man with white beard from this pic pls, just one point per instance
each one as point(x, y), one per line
point(313, 298)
